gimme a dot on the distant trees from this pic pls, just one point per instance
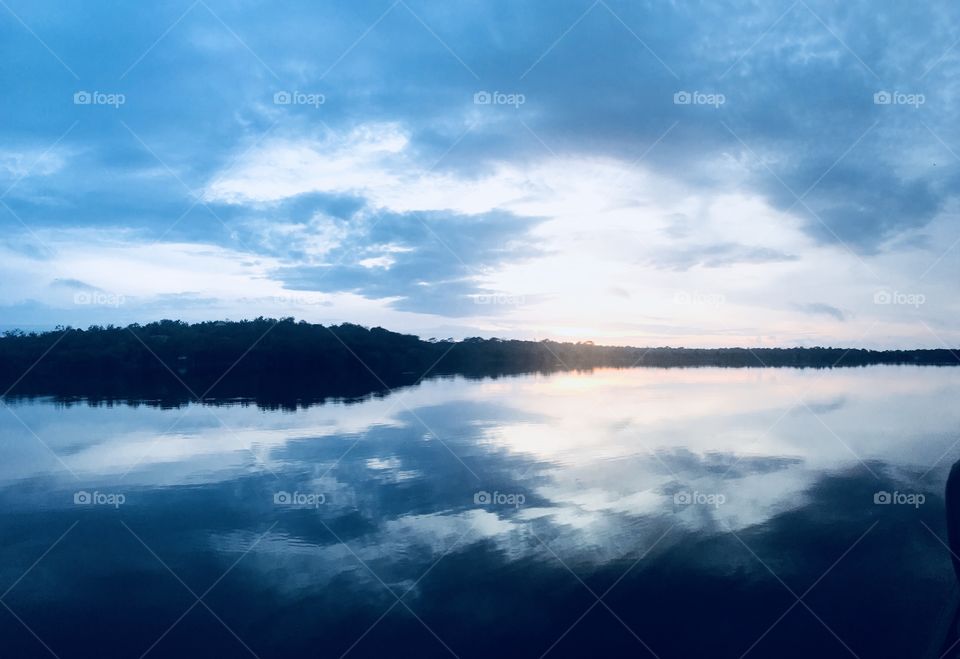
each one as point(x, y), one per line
point(284, 360)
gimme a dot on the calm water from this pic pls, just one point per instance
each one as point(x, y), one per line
point(669, 513)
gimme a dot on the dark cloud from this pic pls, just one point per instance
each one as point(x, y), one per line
point(684, 463)
point(798, 118)
point(431, 261)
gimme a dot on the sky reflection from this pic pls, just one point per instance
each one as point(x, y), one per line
point(704, 471)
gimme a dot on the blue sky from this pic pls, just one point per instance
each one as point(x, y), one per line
point(652, 173)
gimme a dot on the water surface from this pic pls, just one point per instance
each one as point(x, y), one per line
point(642, 512)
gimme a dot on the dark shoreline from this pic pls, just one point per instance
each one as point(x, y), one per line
point(283, 363)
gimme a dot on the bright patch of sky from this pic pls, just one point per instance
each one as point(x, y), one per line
point(644, 173)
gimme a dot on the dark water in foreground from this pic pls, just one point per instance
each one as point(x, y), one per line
point(668, 513)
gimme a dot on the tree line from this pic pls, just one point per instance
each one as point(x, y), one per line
point(284, 360)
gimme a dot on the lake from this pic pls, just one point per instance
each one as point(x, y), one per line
point(699, 512)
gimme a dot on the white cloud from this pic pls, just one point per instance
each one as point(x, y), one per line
point(350, 163)
point(622, 246)
point(31, 162)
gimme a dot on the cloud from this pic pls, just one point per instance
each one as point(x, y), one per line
point(339, 164)
point(72, 284)
point(862, 206)
point(31, 162)
point(424, 262)
point(720, 255)
point(823, 309)
point(611, 186)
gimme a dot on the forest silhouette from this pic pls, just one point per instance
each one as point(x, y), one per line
point(286, 362)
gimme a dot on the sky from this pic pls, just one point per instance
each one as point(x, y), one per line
point(768, 173)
